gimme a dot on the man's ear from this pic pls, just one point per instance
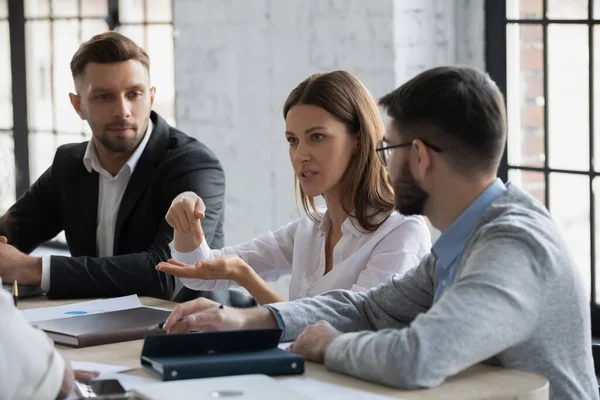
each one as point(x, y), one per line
point(422, 160)
point(152, 94)
point(76, 103)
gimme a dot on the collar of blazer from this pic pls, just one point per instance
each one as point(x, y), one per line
point(144, 171)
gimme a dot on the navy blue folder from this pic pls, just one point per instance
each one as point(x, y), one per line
point(212, 354)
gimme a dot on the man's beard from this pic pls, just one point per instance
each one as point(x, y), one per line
point(410, 198)
point(123, 145)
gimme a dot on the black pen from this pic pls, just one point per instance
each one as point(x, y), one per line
point(160, 325)
point(15, 292)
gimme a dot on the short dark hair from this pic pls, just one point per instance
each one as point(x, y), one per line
point(459, 109)
point(107, 48)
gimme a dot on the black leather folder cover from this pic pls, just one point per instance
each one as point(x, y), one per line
point(211, 354)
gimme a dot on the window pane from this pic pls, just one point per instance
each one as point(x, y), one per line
point(523, 9)
point(66, 33)
point(531, 182)
point(159, 11)
point(596, 9)
point(135, 33)
point(597, 97)
point(596, 188)
point(568, 96)
point(39, 98)
point(7, 171)
point(91, 27)
point(94, 8)
point(37, 8)
point(162, 75)
point(42, 146)
point(131, 10)
point(525, 99)
point(570, 208)
point(567, 9)
point(71, 137)
point(65, 8)
point(6, 110)
point(3, 8)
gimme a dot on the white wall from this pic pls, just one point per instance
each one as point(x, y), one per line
point(236, 61)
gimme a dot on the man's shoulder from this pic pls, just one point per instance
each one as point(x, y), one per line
point(517, 211)
point(181, 145)
point(70, 152)
point(517, 219)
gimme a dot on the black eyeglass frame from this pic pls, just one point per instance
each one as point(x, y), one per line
point(381, 148)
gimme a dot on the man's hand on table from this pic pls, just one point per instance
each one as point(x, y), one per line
point(16, 266)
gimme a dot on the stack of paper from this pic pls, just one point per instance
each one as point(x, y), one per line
point(83, 308)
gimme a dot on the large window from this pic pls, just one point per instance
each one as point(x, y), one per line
point(7, 158)
point(543, 55)
point(52, 30)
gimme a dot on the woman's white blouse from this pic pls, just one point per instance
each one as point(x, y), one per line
point(360, 260)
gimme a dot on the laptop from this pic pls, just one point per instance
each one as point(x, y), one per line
point(240, 387)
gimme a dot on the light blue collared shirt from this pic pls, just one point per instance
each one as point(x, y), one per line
point(449, 247)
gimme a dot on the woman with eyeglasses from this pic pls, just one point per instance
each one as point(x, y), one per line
point(333, 128)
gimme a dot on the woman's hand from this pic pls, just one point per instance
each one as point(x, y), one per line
point(228, 267)
point(185, 213)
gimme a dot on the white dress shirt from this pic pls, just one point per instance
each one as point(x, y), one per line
point(110, 193)
point(360, 260)
point(30, 367)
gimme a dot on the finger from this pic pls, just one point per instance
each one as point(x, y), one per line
point(187, 308)
point(176, 262)
point(172, 221)
point(182, 222)
point(85, 376)
point(210, 270)
point(324, 323)
point(200, 208)
point(169, 264)
point(207, 263)
point(197, 230)
point(202, 321)
point(179, 327)
point(189, 214)
point(3, 239)
point(295, 348)
point(188, 271)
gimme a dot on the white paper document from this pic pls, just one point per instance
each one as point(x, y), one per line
point(103, 369)
point(83, 308)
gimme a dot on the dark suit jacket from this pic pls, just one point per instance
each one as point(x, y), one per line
point(65, 198)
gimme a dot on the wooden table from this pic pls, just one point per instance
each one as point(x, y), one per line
point(478, 382)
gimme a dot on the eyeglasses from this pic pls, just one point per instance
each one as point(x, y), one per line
point(385, 152)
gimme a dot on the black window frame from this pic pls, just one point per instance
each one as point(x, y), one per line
point(496, 23)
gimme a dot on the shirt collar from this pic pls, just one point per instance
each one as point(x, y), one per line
point(452, 241)
point(90, 158)
point(350, 224)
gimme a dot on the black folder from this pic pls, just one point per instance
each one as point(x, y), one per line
point(212, 354)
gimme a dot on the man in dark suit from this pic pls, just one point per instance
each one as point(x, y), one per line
point(110, 195)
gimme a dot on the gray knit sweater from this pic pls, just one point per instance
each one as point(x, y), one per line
point(517, 300)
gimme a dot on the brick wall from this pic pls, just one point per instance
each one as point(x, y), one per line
point(531, 103)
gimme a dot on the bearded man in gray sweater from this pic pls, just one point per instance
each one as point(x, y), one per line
point(499, 284)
